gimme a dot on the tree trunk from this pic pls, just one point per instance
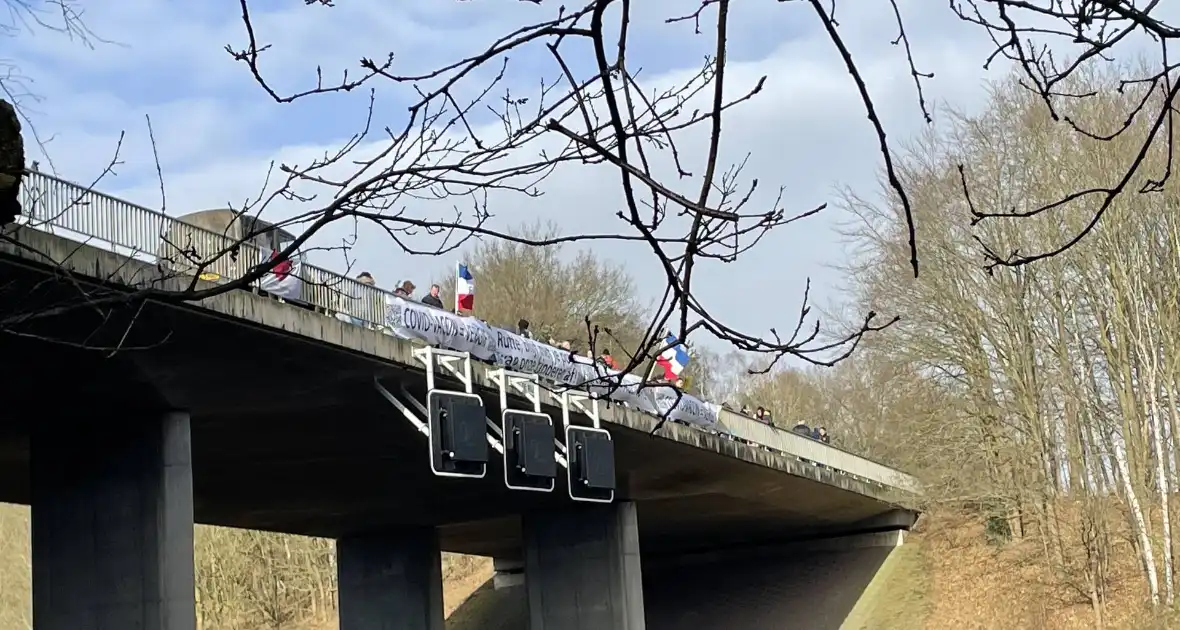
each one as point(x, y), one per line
point(1139, 522)
point(1161, 471)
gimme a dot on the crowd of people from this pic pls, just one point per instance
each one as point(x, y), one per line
point(765, 416)
point(405, 290)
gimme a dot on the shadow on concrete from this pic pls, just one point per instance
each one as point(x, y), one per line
point(489, 609)
point(808, 591)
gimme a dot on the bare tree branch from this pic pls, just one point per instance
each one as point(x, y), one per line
point(1056, 46)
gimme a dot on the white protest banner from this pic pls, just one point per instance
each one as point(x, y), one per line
point(410, 320)
point(687, 408)
point(435, 327)
point(624, 388)
point(533, 357)
point(527, 355)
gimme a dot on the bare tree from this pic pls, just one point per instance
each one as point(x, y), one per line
point(1057, 47)
point(564, 298)
point(244, 579)
point(792, 396)
point(719, 377)
point(585, 111)
point(432, 179)
point(1054, 388)
point(23, 17)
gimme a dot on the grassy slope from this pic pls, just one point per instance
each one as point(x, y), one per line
point(489, 609)
point(896, 599)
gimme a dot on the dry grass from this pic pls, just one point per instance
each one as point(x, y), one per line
point(15, 580)
point(465, 576)
point(949, 577)
point(975, 585)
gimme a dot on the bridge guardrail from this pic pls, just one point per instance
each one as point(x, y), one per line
point(806, 448)
point(52, 204)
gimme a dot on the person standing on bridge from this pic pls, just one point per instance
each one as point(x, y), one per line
point(432, 298)
point(405, 290)
point(369, 305)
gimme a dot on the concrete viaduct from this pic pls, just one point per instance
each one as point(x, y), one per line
point(123, 427)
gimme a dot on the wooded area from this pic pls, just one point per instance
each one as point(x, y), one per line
point(1042, 400)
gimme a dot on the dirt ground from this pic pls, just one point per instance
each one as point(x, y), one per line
point(466, 575)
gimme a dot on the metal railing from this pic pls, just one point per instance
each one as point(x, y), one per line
point(60, 207)
point(66, 209)
point(811, 450)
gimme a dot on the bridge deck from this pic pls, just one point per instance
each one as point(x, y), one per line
point(289, 434)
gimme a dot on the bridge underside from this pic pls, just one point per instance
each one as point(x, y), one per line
point(289, 435)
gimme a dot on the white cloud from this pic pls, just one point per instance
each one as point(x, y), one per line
point(807, 131)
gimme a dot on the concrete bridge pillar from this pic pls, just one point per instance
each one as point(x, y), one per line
point(582, 569)
point(390, 581)
point(112, 525)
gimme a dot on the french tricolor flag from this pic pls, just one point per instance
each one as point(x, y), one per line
point(464, 289)
point(674, 359)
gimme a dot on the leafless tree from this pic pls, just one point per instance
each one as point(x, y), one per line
point(244, 579)
point(17, 17)
point(592, 107)
point(1049, 391)
point(582, 112)
point(432, 178)
point(557, 294)
point(1055, 45)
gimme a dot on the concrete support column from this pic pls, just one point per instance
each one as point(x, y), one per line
point(112, 525)
point(509, 572)
point(582, 569)
point(390, 581)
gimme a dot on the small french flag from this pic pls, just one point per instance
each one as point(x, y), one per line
point(674, 359)
point(464, 289)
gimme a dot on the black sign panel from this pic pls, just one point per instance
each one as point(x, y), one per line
point(458, 434)
point(591, 454)
point(529, 449)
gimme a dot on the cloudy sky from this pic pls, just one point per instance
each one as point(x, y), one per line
point(216, 131)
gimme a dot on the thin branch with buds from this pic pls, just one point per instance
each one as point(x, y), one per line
point(1032, 37)
point(472, 138)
